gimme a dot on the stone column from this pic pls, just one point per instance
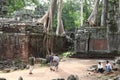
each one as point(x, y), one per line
point(24, 48)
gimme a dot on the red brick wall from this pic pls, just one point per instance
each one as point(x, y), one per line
point(12, 46)
point(98, 44)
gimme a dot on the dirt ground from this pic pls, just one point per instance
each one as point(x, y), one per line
point(67, 67)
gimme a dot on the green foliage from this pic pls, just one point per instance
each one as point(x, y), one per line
point(35, 2)
point(87, 9)
point(40, 10)
point(70, 12)
point(19, 4)
point(67, 54)
point(70, 15)
point(15, 5)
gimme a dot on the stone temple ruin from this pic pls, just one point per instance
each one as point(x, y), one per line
point(21, 36)
point(14, 33)
point(19, 39)
point(100, 39)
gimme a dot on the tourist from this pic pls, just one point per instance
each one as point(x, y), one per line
point(100, 67)
point(51, 62)
point(31, 63)
point(108, 67)
point(56, 62)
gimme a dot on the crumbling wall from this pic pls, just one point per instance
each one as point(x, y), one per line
point(13, 45)
point(21, 45)
point(114, 42)
point(96, 40)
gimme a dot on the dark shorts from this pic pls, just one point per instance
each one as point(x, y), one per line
point(101, 70)
point(55, 63)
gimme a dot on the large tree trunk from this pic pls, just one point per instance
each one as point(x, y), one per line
point(51, 15)
point(104, 13)
point(49, 41)
point(44, 20)
point(47, 20)
point(81, 12)
point(92, 18)
point(60, 28)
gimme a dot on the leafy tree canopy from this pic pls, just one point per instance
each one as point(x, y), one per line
point(19, 4)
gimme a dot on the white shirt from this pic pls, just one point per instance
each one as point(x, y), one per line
point(100, 66)
point(56, 58)
point(108, 66)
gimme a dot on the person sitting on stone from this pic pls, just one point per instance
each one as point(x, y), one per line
point(108, 67)
point(100, 67)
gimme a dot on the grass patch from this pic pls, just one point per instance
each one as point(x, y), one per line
point(67, 54)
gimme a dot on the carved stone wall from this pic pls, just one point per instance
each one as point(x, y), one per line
point(97, 40)
point(98, 45)
point(114, 42)
point(13, 45)
point(21, 45)
point(91, 39)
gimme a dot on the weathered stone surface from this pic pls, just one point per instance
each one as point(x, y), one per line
point(3, 79)
point(73, 77)
point(117, 60)
point(117, 77)
point(6, 71)
point(92, 68)
point(20, 78)
point(8, 65)
point(42, 60)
